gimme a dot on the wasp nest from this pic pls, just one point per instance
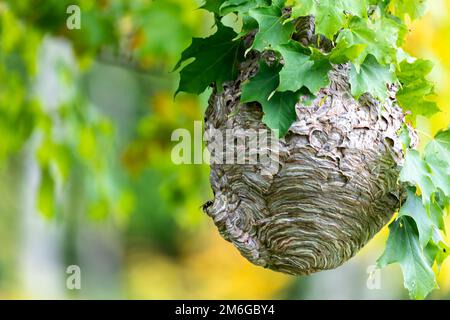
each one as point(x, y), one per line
point(335, 184)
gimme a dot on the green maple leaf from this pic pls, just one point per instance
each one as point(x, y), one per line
point(377, 39)
point(416, 171)
point(405, 138)
point(414, 208)
point(345, 52)
point(411, 98)
point(437, 157)
point(403, 247)
point(212, 6)
point(436, 253)
point(416, 90)
point(390, 30)
point(216, 61)
point(278, 107)
point(248, 24)
point(279, 111)
point(413, 8)
point(442, 254)
point(272, 29)
point(241, 6)
point(437, 215)
point(372, 78)
point(262, 85)
point(300, 70)
point(330, 15)
point(432, 171)
point(409, 72)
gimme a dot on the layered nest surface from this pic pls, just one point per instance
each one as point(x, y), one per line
point(335, 183)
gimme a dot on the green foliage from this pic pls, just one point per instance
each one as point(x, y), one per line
point(415, 239)
point(416, 90)
point(378, 37)
point(210, 55)
point(148, 19)
point(404, 247)
point(300, 70)
point(372, 78)
point(213, 5)
point(414, 208)
point(241, 6)
point(367, 35)
point(19, 110)
point(277, 106)
point(437, 157)
point(45, 200)
point(331, 15)
point(413, 8)
point(75, 139)
point(278, 112)
point(416, 172)
point(260, 87)
point(273, 30)
point(345, 52)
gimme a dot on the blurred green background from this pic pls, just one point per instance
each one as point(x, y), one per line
point(86, 176)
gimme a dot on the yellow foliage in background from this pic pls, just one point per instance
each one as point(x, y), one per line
point(210, 268)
